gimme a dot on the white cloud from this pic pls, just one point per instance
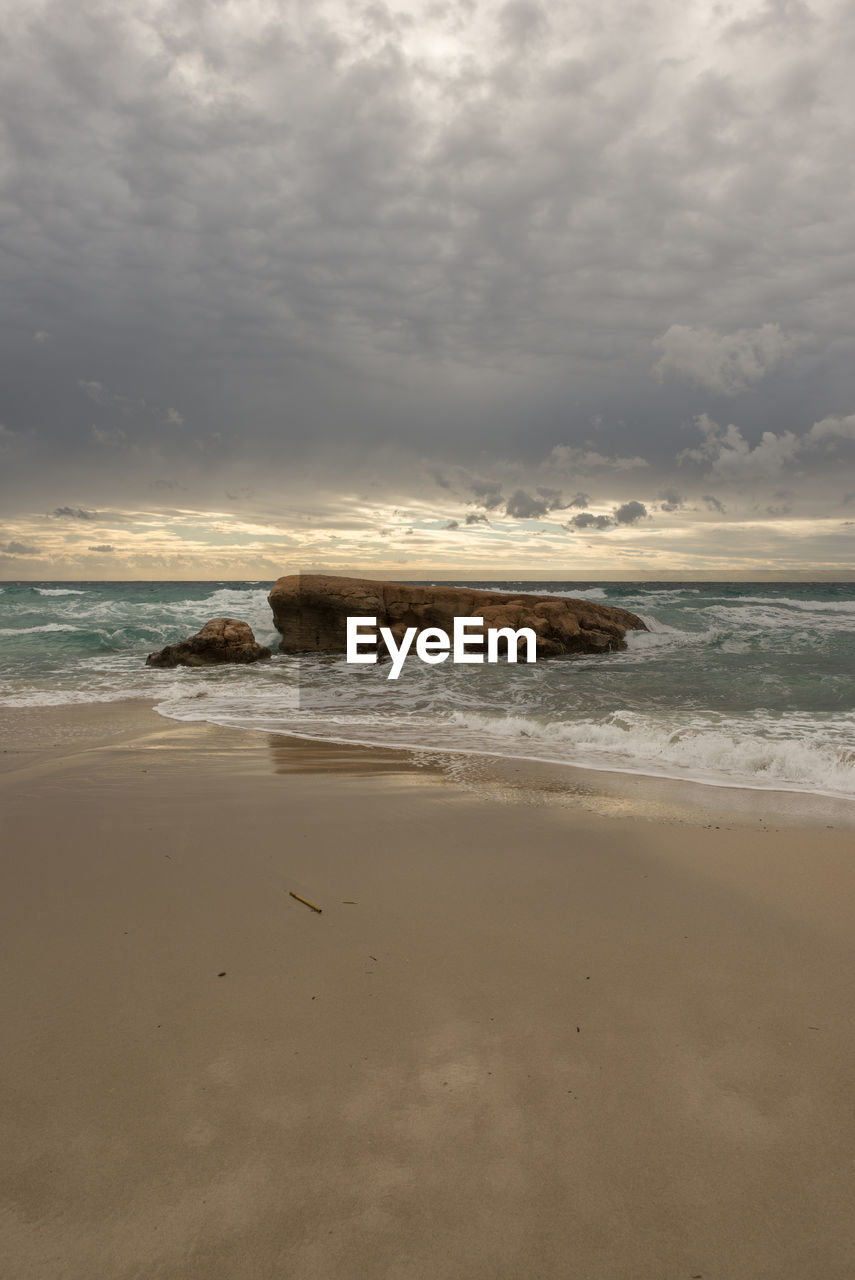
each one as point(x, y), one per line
point(94, 390)
point(727, 363)
point(731, 457)
point(102, 395)
point(830, 430)
point(109, 435)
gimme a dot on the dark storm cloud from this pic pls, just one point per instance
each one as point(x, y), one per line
point(314, 248)
point(628, 514)
point(670, 500)
point(631, 513)
point(587, 520)
point(74, 513)
point(471, 518)
point(487, 493)
point(525, 506)
point(14, 548)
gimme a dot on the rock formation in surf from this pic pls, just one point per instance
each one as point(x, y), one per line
point(310, 612)
point(220, 640)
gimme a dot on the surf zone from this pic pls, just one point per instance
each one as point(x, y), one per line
point(466, 644)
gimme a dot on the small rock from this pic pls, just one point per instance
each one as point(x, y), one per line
point(220, 640)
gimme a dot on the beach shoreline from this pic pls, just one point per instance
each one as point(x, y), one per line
point(536, 1029)
point(73, 727)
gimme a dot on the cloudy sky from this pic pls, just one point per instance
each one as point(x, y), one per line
point(464, 288)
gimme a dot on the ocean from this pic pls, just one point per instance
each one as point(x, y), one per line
point(739, 684)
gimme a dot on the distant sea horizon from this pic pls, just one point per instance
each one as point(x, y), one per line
point(457, 578)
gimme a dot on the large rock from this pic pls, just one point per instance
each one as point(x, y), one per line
point(310, 612)
point(220, 640)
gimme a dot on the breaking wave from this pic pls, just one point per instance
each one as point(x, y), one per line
point(58, 591)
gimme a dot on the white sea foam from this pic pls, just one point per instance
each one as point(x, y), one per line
point(583, 593)
point(69, 697)
point(58, 591)
point(174, 618)
point(780, 621)
point(635, 600)
point(45, 626)
point(811, 606)
point(659, 635)
point(104, 691)
point(763, 753)
point(799, 753)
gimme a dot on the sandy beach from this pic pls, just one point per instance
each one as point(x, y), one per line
point(537, 1030)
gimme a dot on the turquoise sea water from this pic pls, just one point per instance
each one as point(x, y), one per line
point(751, 684)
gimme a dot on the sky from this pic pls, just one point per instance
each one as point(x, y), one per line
point(449, 289)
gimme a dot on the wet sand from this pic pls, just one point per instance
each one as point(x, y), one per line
point(542, 1027)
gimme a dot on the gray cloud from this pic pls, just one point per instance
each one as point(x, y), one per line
point(727, 454)
point(587, 520)
point(487, 493)
point(631, 513)
point(830, 431)
point(127, 405)
point(521, 23)
point(525, 506)
point(74, 513)
point(103, 547)
point(348, 249)
point(727, 363)
point(670, 500)
point(14, 548)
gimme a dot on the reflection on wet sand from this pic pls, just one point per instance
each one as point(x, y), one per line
point(307, 755)
point(536, 783)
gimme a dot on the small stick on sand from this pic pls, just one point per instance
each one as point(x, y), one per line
point(305, 901)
